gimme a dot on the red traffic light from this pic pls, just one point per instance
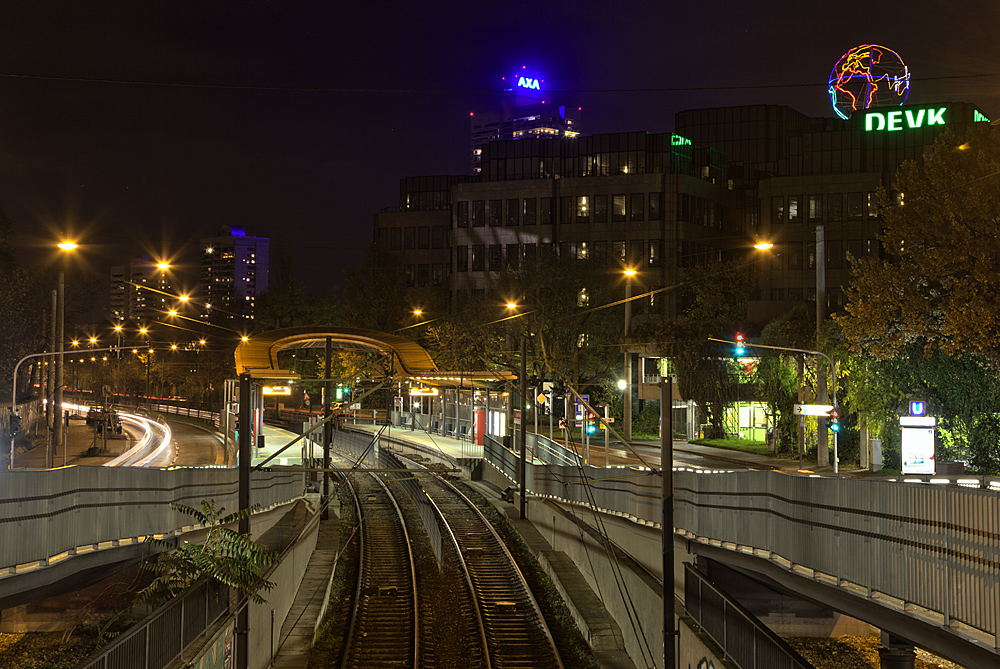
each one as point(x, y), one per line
point(739, 338)
point(834, 414)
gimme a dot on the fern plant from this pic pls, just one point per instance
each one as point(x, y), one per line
point(229, 557)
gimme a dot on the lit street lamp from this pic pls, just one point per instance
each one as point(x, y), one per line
point(57, 400)
point(627, 428)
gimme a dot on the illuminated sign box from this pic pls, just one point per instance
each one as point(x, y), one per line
point(277, 390)
point(423, 392)
point(902, 119)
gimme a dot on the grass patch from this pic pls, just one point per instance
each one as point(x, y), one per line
point(744, 445)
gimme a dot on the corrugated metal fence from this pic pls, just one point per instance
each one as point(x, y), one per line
point(46, 516)
point(935, 546)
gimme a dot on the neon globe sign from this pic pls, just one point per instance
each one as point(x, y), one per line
point(868, 76)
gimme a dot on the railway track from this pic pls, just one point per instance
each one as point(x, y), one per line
point(384, 628)
point(475, 608)
point(509, 619)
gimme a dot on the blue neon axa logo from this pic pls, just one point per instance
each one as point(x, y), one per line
point(528, 82)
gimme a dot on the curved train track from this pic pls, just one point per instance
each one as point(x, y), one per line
point(384, 629)
point(509, 618)
point(496, 621)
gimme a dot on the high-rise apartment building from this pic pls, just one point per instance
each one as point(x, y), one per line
point(139, 290)
point(234, 271)
point(525, 112)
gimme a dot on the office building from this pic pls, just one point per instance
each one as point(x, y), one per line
point(805, 172)
point(234, 271)
point(525, 112)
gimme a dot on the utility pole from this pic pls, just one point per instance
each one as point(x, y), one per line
point(667, 515)
point(522, 474)
point(245, 455)
point(822, 447)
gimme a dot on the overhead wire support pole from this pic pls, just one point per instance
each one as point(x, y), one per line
point(522, 437)
point(667, 517)
point(833, 374)
point(245, 454)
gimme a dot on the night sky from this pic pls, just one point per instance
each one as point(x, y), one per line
point(142, 126)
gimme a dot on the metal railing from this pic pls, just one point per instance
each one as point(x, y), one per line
point(167, 632)
point(742, 637)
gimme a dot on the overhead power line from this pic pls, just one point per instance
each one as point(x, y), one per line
point(333, 89)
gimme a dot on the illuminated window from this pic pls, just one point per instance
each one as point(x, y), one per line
point(815, 208)
point(793, 208)
point(478, 258)
point(618, 208)
point(582, 209)
point(872, 205)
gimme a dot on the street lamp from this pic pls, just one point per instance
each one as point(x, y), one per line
point(68, 246)
point(627, 428)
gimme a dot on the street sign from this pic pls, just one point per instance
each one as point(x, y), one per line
point(814, 410)
point(517, 416)
point(541, 399)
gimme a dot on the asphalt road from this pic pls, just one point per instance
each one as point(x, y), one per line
point(191, 445)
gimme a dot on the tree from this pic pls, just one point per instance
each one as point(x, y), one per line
point(229, 557)
point(375, 295)
point(716, 295)
point(940, 285)
point(777, 373)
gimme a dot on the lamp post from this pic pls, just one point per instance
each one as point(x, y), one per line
point(57, 422)
point(511, 310)
point(627, 428)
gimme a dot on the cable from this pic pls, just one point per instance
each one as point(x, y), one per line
point(331, 89)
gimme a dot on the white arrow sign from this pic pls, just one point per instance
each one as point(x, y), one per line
point(813, 409)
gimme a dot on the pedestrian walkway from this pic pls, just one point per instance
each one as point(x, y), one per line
point(81, 438)
point(298, 632)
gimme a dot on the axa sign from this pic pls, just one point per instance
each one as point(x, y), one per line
point(528, 82)
point(900, 119)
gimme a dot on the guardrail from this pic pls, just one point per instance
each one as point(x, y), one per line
point(167, 632)
point(750, 644)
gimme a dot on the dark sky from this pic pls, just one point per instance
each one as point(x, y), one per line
point(143, 126)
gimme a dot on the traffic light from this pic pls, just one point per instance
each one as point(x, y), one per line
point(740, 345)
point(591, 423)
point(834, 423)
point(15, 425)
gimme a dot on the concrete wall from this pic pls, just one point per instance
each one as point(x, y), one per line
point(287, 575)
point(644, 637)
point(695, 652)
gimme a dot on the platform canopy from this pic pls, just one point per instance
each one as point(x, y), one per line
point(259, 355)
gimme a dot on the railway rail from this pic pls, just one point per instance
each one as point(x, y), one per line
point(384, 629)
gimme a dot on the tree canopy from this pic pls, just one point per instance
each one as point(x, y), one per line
point(940, 284)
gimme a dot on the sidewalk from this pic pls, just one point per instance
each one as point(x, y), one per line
point(80, 437)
